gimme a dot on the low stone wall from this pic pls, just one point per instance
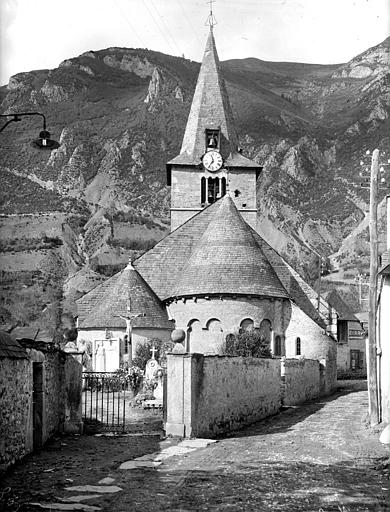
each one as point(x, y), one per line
point(210, 395)
point(302, 380)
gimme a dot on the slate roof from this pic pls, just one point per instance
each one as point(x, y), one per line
point(227, 260)
point(10, 348)
point(385, 263)
point(164, 265)
point(343, 311)
point(210, 109)
point(101, 306)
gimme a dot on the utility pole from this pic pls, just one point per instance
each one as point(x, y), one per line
point(373, 398)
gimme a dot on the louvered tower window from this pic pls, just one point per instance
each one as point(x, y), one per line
point(212, 139)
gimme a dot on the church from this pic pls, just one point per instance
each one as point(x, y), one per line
point(213, 274)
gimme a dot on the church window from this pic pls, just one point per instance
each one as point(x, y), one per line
point(203, 190)
point(246, 325)
point(214, 325)
point(212, 190)
point(278, 346)
point(298, 346)
point(212, 139)
point(223, 187)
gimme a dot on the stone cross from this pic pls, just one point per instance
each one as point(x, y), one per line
point(153, 350)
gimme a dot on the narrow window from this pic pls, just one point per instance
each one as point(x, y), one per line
point(298, 346)
point(223, 187)
point(212, 190)
point(203, 190)
point(278, 346)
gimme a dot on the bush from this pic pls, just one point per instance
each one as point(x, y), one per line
point(247, 344)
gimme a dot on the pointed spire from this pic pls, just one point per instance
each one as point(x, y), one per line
point(210, 109)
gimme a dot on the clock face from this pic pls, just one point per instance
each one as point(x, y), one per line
point(212, 160)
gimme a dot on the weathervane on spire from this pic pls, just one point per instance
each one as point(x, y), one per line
point(211, 20)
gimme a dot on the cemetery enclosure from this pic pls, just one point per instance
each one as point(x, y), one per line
point(208, 395)
point(107, 406)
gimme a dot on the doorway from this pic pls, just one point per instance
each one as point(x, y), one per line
point(37, 405)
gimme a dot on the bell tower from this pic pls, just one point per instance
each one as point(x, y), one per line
point(210, 161)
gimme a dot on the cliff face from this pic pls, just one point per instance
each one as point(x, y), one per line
point(120, 114)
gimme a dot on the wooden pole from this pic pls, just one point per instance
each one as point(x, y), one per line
point(373, 402)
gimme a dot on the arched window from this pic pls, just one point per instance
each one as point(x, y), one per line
point(246, 325)
point(214, 325)
point(203, 190)
point(278, 346)
point(298, 346)
point(193, 327)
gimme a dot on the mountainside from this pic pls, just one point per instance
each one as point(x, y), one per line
point(120, 114)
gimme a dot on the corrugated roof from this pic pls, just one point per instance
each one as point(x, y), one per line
point(10, 348)
point(101, 307)
point(227, 260)
point(343, 311)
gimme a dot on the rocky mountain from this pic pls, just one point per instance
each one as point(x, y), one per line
point(119, 115)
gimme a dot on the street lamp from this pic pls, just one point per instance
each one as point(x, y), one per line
point(43, 141)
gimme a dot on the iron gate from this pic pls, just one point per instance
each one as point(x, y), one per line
point(105, 395)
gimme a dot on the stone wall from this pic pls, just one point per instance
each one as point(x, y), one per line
point(16, 405)
point(301, 380)
point(209, 395)
point(202, 315)
point(61, 401)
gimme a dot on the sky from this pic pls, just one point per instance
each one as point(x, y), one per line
point(39, 34)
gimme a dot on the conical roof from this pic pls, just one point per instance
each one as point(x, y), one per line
point(210, 109)
point(103, 306)
point(227, 260)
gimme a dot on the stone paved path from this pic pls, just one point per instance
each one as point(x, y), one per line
point(316, 457)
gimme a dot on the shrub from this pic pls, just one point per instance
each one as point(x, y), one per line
point(248, 343)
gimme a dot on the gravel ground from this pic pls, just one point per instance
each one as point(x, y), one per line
point(320, 456)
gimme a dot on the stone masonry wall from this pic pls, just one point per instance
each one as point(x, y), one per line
point(16, 403)
point(61, 401)
point(235, 391)
point(315, 344)
point(209, 395)
point(301, 380)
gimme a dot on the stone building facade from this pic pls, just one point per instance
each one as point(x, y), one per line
point(383, 341)
point(40, 393)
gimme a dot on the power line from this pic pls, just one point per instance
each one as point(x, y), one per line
point(158, 26)
point(167, 28)
point(189, 23)
point(130, 25)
